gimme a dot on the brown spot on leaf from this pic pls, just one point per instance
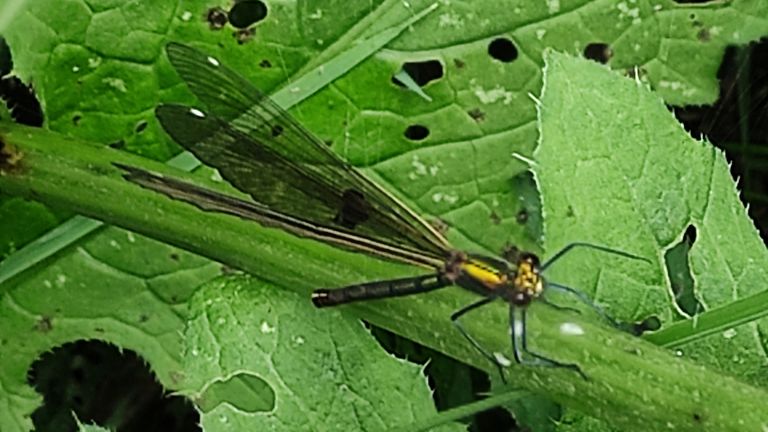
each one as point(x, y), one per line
point(477, 114)
point(704, 35)
point(495, 218)
point(217, 18)
point(10, 157)
point(522, 216)
point(44, 324)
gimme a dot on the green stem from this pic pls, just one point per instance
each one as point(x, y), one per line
point(633, 384)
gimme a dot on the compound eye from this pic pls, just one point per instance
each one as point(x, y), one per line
point(531, 259)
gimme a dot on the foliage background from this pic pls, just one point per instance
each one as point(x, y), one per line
point(98, 70)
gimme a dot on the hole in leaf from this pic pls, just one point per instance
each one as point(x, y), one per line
point(244, 35)
point(243, 391)
point(21, 101)
point(96, 381)
point(217, 18)
point(453, 383)
point(416, 132)
point(6, 63)
point(422, 72)
point(246, 13)
point(502, 49)
point(599, 52)
point(141, 126)
point(529, 210)
point(266, 64)
point(676, 261)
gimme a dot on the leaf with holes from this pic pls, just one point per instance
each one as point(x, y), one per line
point(615, 168)
point(118, 287)
point(99, 74)
point(260, 358)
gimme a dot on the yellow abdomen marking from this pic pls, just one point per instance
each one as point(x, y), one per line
point(486, 275)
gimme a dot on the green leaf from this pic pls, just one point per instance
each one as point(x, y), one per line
point(480, 114)
point(90, 427)
point(620, 171)
point(237, 333)
point(307, 370)
point(119, 287)
point(38, 218)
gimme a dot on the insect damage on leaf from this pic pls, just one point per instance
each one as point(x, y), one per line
point(10, 157)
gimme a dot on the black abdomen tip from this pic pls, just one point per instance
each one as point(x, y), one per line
point(320, 298)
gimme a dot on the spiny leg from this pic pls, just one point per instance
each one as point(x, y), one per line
point(569, 247)
point(455, 320)
point(537, 359)
point(546, 301)
point(580, 295)
point(586, 300)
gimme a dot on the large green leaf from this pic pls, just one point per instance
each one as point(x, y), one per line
point(96, 84)
point(615, 168)
point(118, 287)
point(257, 357)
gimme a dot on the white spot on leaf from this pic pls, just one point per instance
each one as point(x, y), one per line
point(494, 95)
point(115, 83)
point(571, 329)
point(266, 328)
point(553, 6)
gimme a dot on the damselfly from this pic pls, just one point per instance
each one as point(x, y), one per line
point(300, 185)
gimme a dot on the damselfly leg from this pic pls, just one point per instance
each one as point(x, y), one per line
point(573, 245)
point(455, 320)
point(532, 359)
point(578, 294)
point(584, 299)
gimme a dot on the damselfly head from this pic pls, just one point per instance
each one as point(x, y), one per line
point(527, 283)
